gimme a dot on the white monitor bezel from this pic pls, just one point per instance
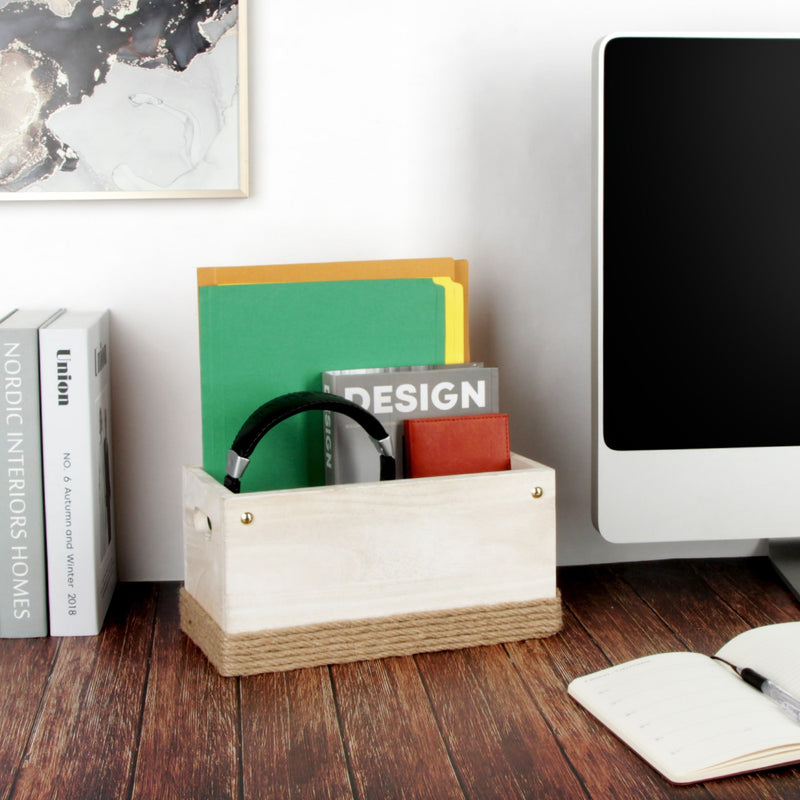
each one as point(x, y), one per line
point(679, 495)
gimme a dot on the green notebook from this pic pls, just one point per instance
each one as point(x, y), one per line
point(258, 341)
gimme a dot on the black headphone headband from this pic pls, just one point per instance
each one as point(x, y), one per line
point(271, 413)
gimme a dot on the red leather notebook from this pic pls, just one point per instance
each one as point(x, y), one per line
point(456, 445)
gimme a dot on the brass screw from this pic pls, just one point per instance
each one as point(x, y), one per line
point(246, 518)
point(537, 492)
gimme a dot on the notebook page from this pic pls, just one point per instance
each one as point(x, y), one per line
point(685, 713)
point(772, 650)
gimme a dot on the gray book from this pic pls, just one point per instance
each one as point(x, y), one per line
point(394, 394)
point(23, 585)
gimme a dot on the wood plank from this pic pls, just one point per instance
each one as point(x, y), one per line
point(751, 587)
point(291, 744)
point(705, 620)
point(394, 747)
point(189, 739)
point(85, 737)
point(25, 666)
point(623, 626)
point(685, 602)
point(499, 744)
point(710, 602)
point(685, 614)
point(604, 766)
point(81, 717)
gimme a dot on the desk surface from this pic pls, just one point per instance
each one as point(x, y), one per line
point(137, 712)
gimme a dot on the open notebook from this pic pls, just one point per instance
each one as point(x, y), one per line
point(692, 717)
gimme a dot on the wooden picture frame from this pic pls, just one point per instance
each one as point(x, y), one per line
point(122, 100)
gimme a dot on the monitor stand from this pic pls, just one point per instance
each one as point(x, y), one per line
point(785, 557)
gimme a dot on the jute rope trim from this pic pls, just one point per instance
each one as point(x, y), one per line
point(357, 640)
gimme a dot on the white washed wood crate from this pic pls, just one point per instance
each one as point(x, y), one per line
point(301, 577)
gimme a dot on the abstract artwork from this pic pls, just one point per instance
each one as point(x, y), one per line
point(122, 98)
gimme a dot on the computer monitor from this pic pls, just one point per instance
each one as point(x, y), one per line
point(697, 288)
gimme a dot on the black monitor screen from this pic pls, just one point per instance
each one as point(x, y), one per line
point(701, 242)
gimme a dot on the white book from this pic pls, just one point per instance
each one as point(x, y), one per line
point(692, 717)
point(78, 497)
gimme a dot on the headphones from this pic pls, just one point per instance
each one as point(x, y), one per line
point(271, 413)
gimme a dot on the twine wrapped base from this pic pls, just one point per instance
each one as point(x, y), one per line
point(357, 640)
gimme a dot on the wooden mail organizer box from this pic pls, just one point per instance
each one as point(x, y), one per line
point(302, 577)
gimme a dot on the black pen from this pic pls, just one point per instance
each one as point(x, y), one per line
point(787, 702)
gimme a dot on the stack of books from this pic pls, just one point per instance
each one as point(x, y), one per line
point(56, 500)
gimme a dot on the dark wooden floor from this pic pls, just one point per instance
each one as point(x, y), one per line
point(138, 713)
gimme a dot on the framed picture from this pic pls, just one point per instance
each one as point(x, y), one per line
point(123, 99)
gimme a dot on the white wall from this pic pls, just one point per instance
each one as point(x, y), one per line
point(378, 130)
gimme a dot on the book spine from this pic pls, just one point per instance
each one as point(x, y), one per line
point(23, 586)
point(79, 530)
point(329, 443)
